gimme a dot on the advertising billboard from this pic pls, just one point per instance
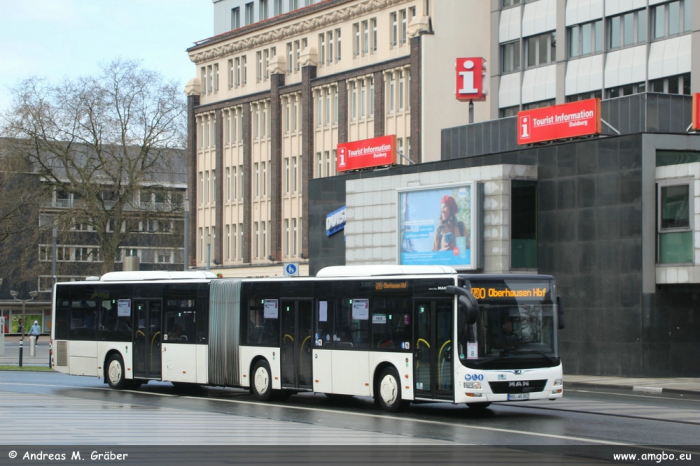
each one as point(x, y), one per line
point(581, 118)
point(437, 225)
point(375, 152)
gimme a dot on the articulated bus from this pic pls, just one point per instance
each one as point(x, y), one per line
point(399, 334)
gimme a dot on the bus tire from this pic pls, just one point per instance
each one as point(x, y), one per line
point(388, 394)
point(479, 406)
point(114, 372)
point(261, 385)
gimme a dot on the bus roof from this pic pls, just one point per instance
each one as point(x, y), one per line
point(380, 270)
point(155, 275)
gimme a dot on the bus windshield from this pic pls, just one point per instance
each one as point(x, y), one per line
point(513, 330)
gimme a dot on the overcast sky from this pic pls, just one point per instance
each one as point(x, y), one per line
point(56, 39)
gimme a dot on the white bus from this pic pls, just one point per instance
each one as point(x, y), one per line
point(399, 334)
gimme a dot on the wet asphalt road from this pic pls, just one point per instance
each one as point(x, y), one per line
point(89, 412)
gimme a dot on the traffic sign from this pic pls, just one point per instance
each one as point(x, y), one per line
point(291, 270)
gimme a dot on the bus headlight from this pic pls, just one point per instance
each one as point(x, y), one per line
point(473, 385)
point(558, 382)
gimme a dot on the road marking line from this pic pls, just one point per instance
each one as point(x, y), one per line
point(423, 421)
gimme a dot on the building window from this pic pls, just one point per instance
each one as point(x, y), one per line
point(256, 181)
point(404, 26)
point(585, 39)
point(394, 29)
point(353, 103)
point(263, 10)
point(375, 37)
point(294, 174)
point(391, 92)
point(356, 43)
point(627, 29)
point(329, 36)
point(294, 236)
point(401, 90)
point(290, 58)
point(319, 108)
point(510, 56)
point(335, 105)
point(249, 19)
point(235, 18)
point(337, 44)
point(286, 174)
point(627, 89)
point(257, 240)
point(234, 185)
point(671, 18)
point(540, 49)
point(584, 96)
point(244, 60)
point(286, 236)
point(540, 104)
point(328, 163)
point(319, 172)
point(322, 48)
point(264, 179)
point(371, 97)
point(278, 7)
point(233, 242)
point(237, 81)
point(675, 233)
point(510, 2)
point(328, 106)
point(264, 239)
point(297, 54)
point(362, 98)
point(365, 37)
point(679, 84)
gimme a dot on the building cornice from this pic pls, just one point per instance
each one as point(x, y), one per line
point(221, 47)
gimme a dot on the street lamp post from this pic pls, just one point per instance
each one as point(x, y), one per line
point(187, 234)
point(33, 295)
point(208, 251)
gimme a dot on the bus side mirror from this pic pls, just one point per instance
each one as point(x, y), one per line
point(560, 313)
point(468, 307)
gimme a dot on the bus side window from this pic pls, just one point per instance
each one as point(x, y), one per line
point(322, 335)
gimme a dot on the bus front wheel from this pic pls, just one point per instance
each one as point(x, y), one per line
point(388, 393)
point(115, 372)
point(262, 381)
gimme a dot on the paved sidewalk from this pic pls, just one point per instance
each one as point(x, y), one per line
point(677, 385)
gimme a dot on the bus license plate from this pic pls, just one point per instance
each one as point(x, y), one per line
point(518, 396)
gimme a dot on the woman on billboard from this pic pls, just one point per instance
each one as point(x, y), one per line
point(449, 232)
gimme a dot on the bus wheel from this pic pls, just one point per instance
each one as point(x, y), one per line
point(115, 372)
point(388, 393)
point(478, 406)
point(262, 381)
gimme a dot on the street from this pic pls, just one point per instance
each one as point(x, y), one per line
point(46, 408)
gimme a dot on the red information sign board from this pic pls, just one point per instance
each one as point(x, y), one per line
point(696, 111)
point(570, 120)
point(367, 153)
point(471, 79)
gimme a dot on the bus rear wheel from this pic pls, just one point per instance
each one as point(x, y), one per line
point(114, 372)
point(262, 381)
point(388, 394)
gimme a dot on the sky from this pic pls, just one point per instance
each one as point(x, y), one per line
point(57, 39)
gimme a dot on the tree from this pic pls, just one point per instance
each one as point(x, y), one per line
point(110, 146)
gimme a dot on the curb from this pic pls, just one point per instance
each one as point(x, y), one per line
point(633, 388)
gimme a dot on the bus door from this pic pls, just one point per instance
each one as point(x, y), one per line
point(147, 338)
point(297, 343)
point(432, 371)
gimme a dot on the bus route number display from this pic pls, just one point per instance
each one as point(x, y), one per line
point(491, 292)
